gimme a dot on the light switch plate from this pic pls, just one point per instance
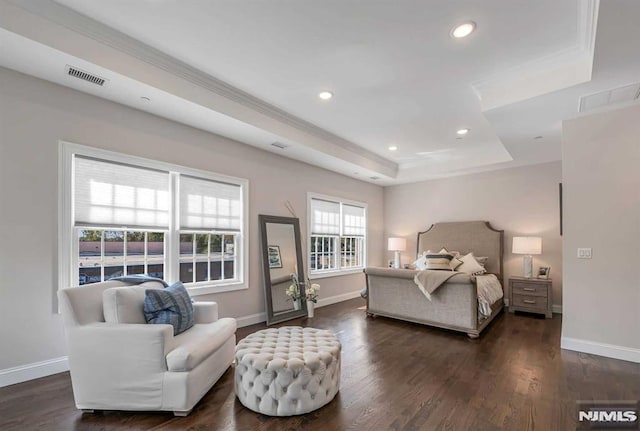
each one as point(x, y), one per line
point(584, 253)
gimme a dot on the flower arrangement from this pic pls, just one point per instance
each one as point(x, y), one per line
point(312, 292)
point(294, 290)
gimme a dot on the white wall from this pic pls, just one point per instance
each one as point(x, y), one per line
point(521, 201)
point(601, 178)
point(35, 114)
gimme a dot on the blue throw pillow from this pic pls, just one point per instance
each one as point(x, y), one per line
point(169, 306)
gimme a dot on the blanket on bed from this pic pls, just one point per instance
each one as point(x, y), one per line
point(428, 281)
point(488, 285)
point(489, 291)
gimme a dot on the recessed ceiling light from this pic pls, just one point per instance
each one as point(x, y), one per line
point(393, 148)
point(463, 30)
point(325, 95)
point(462, 132)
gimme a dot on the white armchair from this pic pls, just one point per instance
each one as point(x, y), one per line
point(138, 366)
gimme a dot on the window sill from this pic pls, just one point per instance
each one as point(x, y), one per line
point(207, 289)
point(337, 273)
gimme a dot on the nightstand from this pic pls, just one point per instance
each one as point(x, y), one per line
point(530, 294)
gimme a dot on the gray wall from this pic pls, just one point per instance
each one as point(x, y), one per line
point(601, 178)
point(35, 114)
point(521, 201)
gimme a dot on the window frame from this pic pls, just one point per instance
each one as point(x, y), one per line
point(67, 243)
point(337, 253)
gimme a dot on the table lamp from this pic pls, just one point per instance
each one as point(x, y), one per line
point(397, 245)
point(527, 245)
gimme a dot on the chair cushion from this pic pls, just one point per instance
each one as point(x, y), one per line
point(198, 343)
point(125, 304)
point(169, 306)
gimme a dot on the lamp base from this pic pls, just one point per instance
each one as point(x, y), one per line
point(527, 266)
point(396, 260)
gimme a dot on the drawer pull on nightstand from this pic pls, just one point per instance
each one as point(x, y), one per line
point(529, 289)
point(528, 301)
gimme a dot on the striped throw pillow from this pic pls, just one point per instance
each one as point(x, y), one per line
point(438, 261)
point(169, 306)
point(455, 261)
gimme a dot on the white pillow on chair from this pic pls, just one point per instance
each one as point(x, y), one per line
point(125, 304)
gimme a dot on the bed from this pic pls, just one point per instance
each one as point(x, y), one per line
point(393, 292)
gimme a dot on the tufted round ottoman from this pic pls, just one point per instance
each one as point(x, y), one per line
point(287, 371)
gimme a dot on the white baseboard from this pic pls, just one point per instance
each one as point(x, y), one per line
point(338, 298)
point(601, 349)
point(251, 319)
point(11, 376)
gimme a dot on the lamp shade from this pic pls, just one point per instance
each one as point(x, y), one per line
point(397, 244)
point(527, 245)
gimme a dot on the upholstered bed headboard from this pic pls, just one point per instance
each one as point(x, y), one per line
point(466, 236)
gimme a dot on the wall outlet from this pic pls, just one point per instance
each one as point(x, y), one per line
point(584, 253)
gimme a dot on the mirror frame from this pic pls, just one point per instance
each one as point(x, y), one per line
point(293, 314)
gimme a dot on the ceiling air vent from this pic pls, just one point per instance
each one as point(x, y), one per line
point(626, 93)
point(85, 76)
point(280, 145)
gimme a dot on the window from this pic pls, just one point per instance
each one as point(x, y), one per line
point(210, 220)
point(338, 230)
point(108, 253)
point(123, 215)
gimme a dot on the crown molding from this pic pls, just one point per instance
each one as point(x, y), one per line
point(587, 24)
point(556, 71)
point(100, 33)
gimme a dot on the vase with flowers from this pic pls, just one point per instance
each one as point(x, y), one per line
point(312, 297)
point(294, 292)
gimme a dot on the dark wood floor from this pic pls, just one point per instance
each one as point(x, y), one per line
point(395, 376)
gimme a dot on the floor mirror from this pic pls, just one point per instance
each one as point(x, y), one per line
point(283, 269)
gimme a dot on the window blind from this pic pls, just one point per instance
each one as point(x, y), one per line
point(353, 220)
point(206, 204)
point(326, 217)
point(113, 194)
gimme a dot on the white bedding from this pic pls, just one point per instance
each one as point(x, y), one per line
point(489, 291)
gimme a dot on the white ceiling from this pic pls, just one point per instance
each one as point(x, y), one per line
point(251, 71)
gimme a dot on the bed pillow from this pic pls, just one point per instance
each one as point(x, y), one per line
point(455, 261)
point(482, 260)
point(470, 265)
point(421, 263)
point(169, 306)
point(438, 261)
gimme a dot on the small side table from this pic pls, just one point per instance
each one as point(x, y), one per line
point(532, 295)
